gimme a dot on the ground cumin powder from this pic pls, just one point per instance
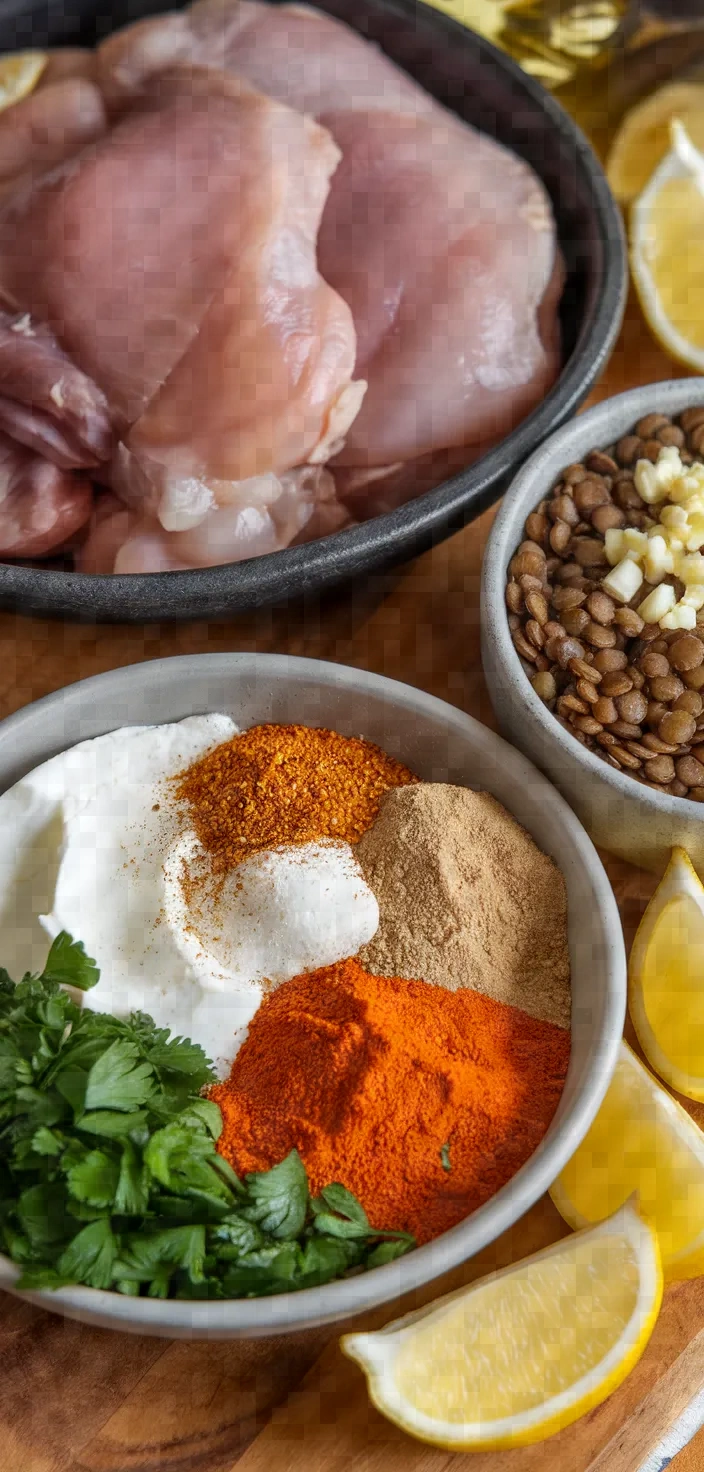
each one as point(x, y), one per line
point(422, 1101)
point(466, 899)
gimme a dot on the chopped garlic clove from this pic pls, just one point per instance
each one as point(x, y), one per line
point(675, 520)
point(614, 545)
point(653, 482)
point(635, 541)
point(690, 569)
point(658, 560)
point(693, 597)
point(623, 581)
point(658, 603)
point(681, 617)
point(695, 539)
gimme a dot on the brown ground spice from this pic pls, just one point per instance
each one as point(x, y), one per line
point(276, 785)
point(466, 899)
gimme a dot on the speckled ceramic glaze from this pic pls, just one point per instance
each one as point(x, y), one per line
point(440, 744)
point(620, 815)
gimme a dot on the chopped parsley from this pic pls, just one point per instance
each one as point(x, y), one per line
point(109, 1173)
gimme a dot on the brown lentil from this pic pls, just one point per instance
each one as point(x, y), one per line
point(588, 692)
point(677, 727)
point(690, 700)
point(537, 607)
point(660, 768)
point(575, 620)
point(544, 685)
point(585, 671)
point(601, 607)
point(605, 710)
point(535, 633)
point(606, 660)
point(275, 785)
point(686, 653)
point(632, 706)
point(631, 691)
point(629, 621)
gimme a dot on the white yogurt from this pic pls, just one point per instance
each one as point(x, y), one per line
point(93, 842)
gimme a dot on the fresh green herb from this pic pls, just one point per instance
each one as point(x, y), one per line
point(109, 1174)
point(445, 1157)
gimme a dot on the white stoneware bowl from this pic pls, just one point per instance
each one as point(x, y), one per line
point(621, 815)
point(440, 744)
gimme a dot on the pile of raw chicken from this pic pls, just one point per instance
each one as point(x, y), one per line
point(256, 286)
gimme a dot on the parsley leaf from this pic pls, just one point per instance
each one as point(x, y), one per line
point(90, 1256)
point(68, 964)
point(118, 1080)
point(279, 1197)
point(94, 1179)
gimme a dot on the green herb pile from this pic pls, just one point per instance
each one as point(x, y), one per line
point(109, 1174)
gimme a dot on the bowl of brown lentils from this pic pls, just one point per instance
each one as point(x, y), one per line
point(593, 618)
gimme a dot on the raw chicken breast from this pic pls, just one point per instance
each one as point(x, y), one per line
point(293, 52)
point(441, 241)
point(49, 125)
point(53, 421)
point(443, 245)
point(41, 507)
point(176, 259)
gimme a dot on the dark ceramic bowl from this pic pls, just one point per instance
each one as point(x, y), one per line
point(487, 89)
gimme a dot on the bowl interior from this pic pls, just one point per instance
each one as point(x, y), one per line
point(440, 744)
point(489, 90)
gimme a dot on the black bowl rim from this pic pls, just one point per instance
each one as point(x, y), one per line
point(395, 535)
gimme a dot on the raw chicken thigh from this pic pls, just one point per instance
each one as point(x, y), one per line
point(441, 241)
point(176, 256)
point(226, 276)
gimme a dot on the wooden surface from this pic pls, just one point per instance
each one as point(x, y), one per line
point(82, 1400)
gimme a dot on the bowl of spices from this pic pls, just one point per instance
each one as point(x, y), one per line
point(593, 618)
point(426, 947)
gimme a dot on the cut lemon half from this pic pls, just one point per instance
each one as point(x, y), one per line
point(641, 1140)
point(666, 979)
point(667, 251)
point(520, 1354)
point(19, 73)
point(644, 136)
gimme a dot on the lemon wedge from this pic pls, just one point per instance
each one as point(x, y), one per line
point(518, 1355)
point(644, 136)
point(19, 73)
point(666, 979)
point(641, 1140)
point(667, 251)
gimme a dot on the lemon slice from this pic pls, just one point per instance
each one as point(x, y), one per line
point(644, 136)
point(667, 251)
point(19, 73)
point(641, 1140)
point(518, 1355)
point(666, 979)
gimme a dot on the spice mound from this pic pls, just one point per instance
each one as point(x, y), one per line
point(606, 602)
point(276, 785)
point(422, 1101)
point(466, 899)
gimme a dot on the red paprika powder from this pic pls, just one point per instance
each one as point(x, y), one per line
point(421, 1101)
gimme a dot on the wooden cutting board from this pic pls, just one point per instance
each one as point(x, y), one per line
point(85, 1400)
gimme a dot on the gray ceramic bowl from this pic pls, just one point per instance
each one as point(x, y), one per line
point(621, 815)
point(441, 744)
